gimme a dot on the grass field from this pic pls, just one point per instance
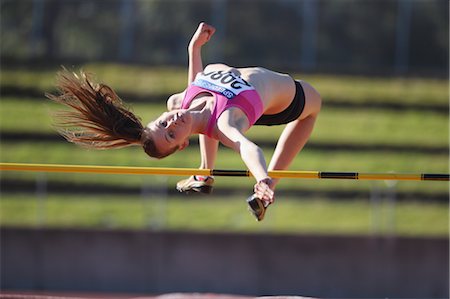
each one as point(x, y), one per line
point(223, 214)
point(334, 125)
point(413, 140)
point(144, 80)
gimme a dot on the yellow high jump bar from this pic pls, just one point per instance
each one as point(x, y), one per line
point(218, 172)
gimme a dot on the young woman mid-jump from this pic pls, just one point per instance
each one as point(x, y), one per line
point(219, 104)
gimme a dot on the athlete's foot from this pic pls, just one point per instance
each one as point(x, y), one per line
point(257, 207)
point(197, 184)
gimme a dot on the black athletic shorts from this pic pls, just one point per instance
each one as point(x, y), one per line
point(291, 113)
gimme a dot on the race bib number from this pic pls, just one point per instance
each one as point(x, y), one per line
point(225, 83)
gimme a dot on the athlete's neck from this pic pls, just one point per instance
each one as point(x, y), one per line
point(201, 113)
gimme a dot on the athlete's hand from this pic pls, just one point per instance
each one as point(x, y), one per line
point(263, 189)
point(202, 35)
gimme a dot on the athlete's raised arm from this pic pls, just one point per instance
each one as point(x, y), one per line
point(201, 36)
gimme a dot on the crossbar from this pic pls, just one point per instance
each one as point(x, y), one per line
point(217, 172)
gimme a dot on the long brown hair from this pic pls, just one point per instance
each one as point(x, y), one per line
point(98, 118)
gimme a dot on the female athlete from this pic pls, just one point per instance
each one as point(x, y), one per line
point(220, 104)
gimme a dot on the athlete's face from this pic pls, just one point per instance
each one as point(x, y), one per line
point(171, 130)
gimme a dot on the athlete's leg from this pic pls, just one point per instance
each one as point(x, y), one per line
point(296, 134)
point(290, 143)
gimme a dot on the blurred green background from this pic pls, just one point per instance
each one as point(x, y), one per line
point(382, 73)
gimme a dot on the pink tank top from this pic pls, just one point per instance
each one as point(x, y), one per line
point(229, 90)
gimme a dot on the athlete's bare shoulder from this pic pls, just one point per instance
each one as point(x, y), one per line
point(174, 101)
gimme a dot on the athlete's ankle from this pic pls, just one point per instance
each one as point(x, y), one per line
point(202, 178)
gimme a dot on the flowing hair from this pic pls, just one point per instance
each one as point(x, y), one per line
point(98, 119)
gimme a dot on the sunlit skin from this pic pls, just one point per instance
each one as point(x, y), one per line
point(276, 90)
point(173, 128)
point(261, 97)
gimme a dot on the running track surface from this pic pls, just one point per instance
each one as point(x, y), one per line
point(43, 295)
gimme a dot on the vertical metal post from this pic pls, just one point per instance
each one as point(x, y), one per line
point(37, 19)
point(375, 211)
point(41, 196)
point(154, 197)
point(126, 30)
point(163, 204)
point(219, 19)
point(146, 195)
point(402, 36)
point(391, 205)
point(309, 34)
point(383, 201)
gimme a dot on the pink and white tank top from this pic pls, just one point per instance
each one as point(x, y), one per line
point(229, 90)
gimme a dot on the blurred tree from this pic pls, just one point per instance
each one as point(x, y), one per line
point(429, 35)
point(356, 35)
point(15, 28)
point(264, 33)
point(361, 36)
